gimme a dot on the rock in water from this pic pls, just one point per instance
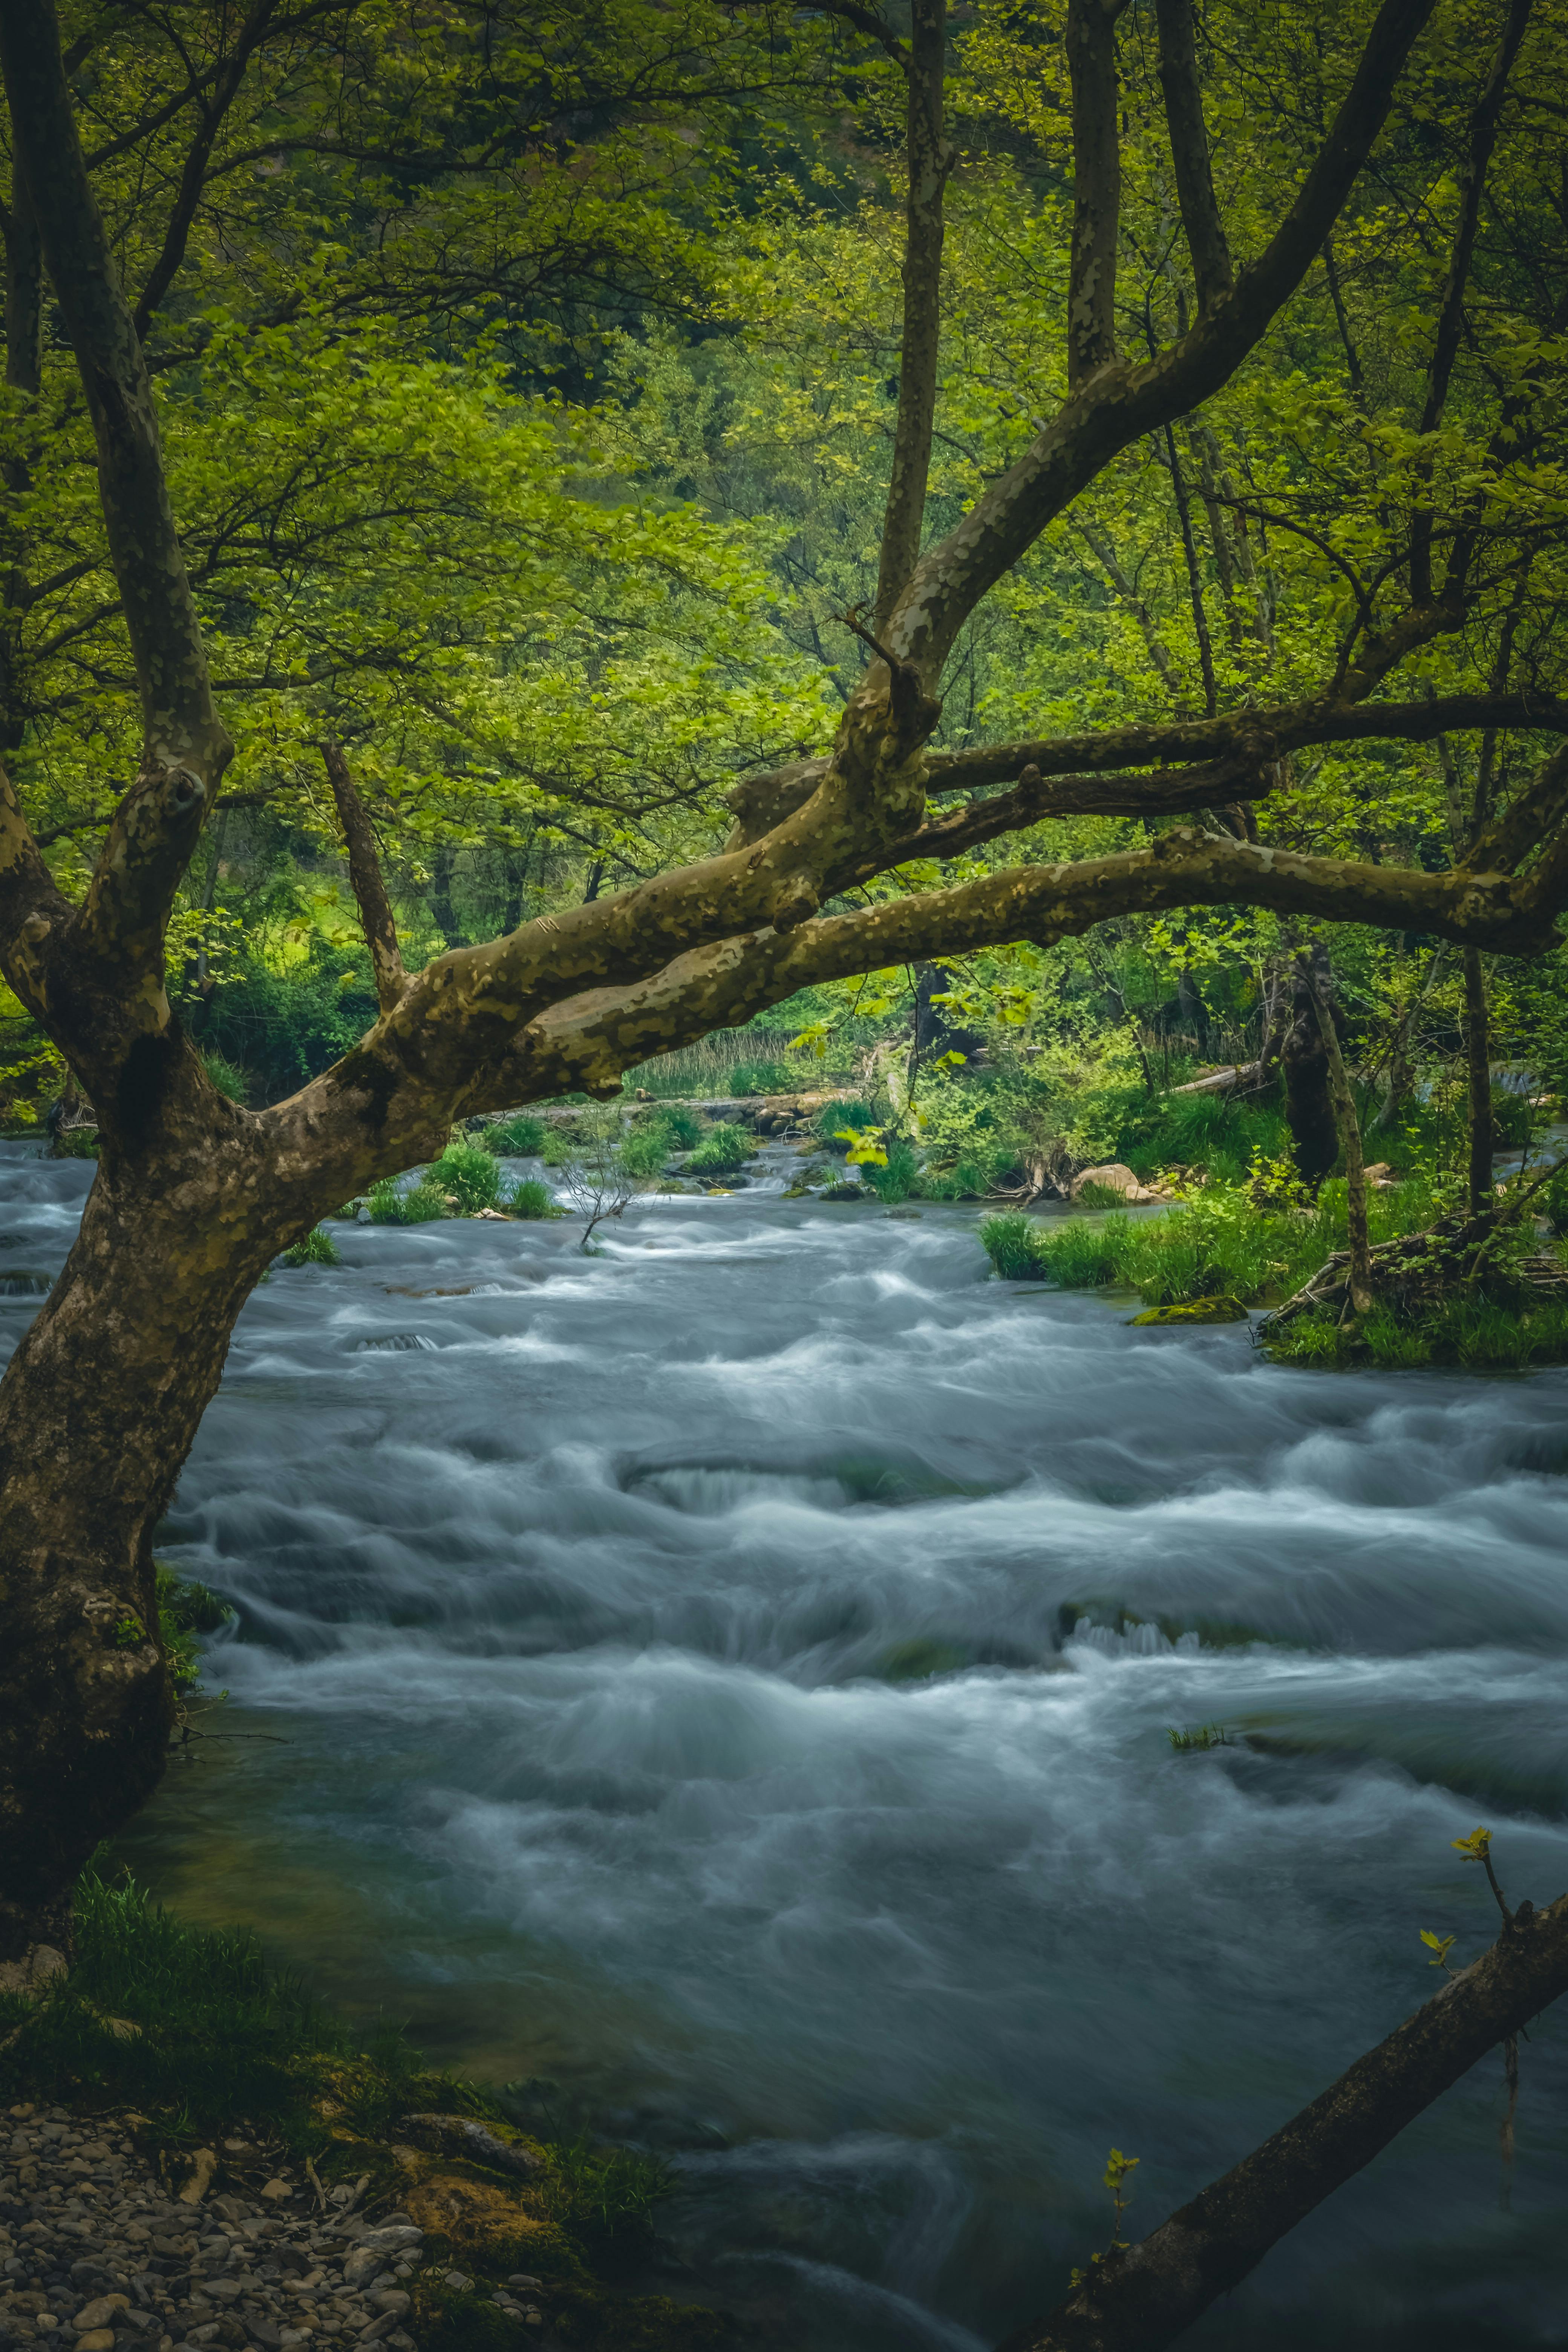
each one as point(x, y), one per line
point(1222, 1308)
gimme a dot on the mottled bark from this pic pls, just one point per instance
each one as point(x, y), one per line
point(1212, 273)
point(1140, 2297)
point(376, 919)
point(1097, 185)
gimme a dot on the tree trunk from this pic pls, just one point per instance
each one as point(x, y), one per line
point(1349, 1128)
point(1477, 1057)
point(1309, 1104)
point(443, 914)
point(1139, 2297)
point(97, 1410)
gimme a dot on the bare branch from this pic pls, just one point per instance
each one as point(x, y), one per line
point(929, 158)
point(1212, 272)
point(1097, 185)
point(365, 878)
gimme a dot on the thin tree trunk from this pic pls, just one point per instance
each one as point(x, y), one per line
point(1350, 1137)
point(1478, 1059)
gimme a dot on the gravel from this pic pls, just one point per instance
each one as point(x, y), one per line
point(95, 2252)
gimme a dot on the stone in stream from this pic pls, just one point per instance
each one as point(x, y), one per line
point(1221, 1308)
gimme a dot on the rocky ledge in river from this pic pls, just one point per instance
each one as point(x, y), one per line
point(110, 2240)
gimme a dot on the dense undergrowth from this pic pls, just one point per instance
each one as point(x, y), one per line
point(1219, 1245)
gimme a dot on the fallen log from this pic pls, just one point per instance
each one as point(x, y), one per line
point(1217, 1082)
point(1138, 2297)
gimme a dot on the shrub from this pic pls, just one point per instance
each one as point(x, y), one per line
point(184, 1609)
point(317, 1248)
point(529, 1198)
point(469, 1174)
point(519, 1138)
point(722, 1149)
point(419, 1206)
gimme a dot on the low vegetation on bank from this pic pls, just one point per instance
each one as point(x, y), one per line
point(238, 2088)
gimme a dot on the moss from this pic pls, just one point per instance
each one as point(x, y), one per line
point(1218, 1309)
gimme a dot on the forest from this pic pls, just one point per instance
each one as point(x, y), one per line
point(784, 1172)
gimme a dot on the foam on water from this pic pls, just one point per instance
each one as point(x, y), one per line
point(731, 1676)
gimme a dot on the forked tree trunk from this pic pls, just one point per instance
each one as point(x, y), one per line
point(97, 1410)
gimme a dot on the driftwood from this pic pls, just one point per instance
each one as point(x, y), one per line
point(1139, 2297)
point(462, 2136)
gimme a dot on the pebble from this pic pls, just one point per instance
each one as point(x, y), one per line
point(97, 2254)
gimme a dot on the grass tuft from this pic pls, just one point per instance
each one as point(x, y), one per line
point(317, 1248)
point(419, 1206)
point(519, 1138)
point(533, 1199)
point(468, 1174)
point(722, 1149)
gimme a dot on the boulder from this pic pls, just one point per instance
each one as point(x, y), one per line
point(1113, 1178)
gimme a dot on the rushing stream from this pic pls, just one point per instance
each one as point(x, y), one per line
point(722, 1677)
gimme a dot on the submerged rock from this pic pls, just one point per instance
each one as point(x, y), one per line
point(1222, 1308)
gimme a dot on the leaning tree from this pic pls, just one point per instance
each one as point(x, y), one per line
point(193, 1194)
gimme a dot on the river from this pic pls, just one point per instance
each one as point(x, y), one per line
point(720, 1683)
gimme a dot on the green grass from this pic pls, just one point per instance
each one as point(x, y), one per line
point(317, 1248)
point(469, 1174)
point(648, 1146)
point(1205, 1131)
point(225, 1076)
point(419, 1206)
point(217, 2032)
point(1197, 1741)
point(835, 1115)
point(520, 1137)
point(1478, 1334)
point(533, 1199)
point(1214, 1243)
point(763, 1078)
point(899, 1178)
point(722, 1149)
point(685, 1127)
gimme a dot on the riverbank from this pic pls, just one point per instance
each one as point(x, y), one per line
point(196, 2154)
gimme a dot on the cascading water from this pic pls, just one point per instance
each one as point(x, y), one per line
point(729, 1677)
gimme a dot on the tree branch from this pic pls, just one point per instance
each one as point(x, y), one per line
point(1140, 2296)
point(364, 876)
point(1097, 185)
point(929, 159)
point(1212, 272)
point(1251, 738)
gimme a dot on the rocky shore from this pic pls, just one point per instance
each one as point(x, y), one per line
point(110, 2240)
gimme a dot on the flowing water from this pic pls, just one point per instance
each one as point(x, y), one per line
point(726, 1683)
